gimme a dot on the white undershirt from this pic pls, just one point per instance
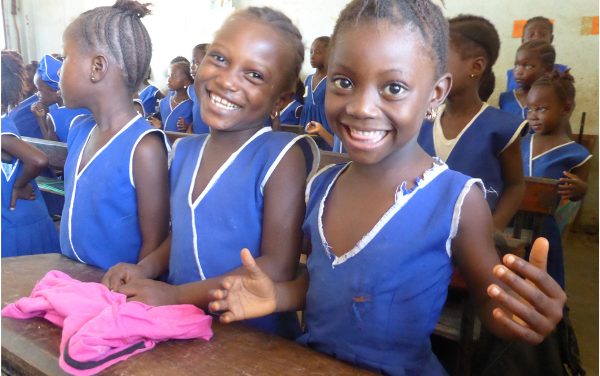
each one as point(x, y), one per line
point(443, 146)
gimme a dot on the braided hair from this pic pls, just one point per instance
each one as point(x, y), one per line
point(546, 52)
point(561, 83)
point(118, 31)
point(13, 79)
point(423, 15)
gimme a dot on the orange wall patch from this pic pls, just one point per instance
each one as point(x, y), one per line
point(519, 25)
point(589, 25)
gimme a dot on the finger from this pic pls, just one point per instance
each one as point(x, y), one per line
point(517, 330)
point(129, 289)
point(13, 201)
point(218, 306)
point(538, 256)
point(227, 317)
point(250, 263)
point(218, 294)
point(569, 174)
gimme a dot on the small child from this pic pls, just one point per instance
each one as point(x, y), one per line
point(290, 110)
point(27, 228)
point(386, 228)
point(536, 28)
point(239, 186)
point(533, 59)
point(468, 130)
point(550, 153)
point(176, 108)
point(116, 174)
point(198, 126)
point(149, 96)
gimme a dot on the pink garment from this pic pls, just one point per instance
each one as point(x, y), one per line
point(100, 327)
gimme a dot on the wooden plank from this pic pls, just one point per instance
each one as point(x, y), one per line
point(329, 157)
point(55, 150)
point(541, 196)
point(297, 129)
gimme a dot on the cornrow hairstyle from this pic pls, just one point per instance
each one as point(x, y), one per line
point(118, 31)
point(13, 79)
point(324, 40)
point(545, 51)
point(179, 59)
point(299, 92)
point(539, 19)
point(561, 83)
point(288, 32)
point(475, 36)
point(185, 67)
point(424, 15)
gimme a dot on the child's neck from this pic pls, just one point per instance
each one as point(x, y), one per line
point(319, 74)
point(181, 94)
point(466, 104)
point(521, 93)
point(231, 140)
point(114, 111)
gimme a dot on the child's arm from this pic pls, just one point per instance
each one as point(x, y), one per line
point(574, 185)
point(34, 162)
point(281, 239)
point(514, 185)
point(40, 112)
point(533, 296)
point(314, 127)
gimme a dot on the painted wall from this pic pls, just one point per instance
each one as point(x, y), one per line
point(177, 25)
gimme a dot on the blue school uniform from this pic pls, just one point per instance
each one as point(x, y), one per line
point(25, 120)
point(290, 115)
point(373, 306)
point(28, 229)
point(100, 224)
point(511, 84)
point(314, 106)
point(198, 126)
point(509, 102)
point(479, 145)
point(62, 119)
point(170, 115)
point(208, 234)
point(551, 164)
point(148, 96)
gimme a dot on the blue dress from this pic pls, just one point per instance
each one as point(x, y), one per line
point(314, 106)
point(509, 102)
point(28, 229)
point(25, 120)
point(551, 165)
point(62, 119)
point(511, 84)
point(208, 234)
point(479, 145)
point(377, 305)
point(149, 100)
point(290, 115)
point(170, 115)
point(198, 126)
point(100, 224)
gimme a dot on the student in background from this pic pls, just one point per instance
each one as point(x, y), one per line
point(242, 185)
point(116, 174)
point(471, 136)
point(533, 59)
point(150, 95)
point(176, 108)
point(290, 110)
point(536, 28)
point(30, 70)
point(387, 228)
point(198, 126)
point(27, 228)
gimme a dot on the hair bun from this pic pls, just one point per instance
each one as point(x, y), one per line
point(139, 9)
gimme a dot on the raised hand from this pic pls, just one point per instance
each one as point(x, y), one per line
point(121, 274)
point(535, 305)
point(182, 126)
point(244, 296)
point(314, 127)
point(571, 187)
point(25, 192)
point(39, 110)
point(155, 122)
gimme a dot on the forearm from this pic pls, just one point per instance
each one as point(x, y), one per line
point(155, 263)
point(30, 171)
point(328, 137)
point(291, 295)
point(508, 205)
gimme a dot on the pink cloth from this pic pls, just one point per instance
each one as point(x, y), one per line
point(100, 327)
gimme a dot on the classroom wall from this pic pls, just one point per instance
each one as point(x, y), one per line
point(177, 25)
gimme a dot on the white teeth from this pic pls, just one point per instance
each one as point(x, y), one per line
point(222, 102)
point(367, 136)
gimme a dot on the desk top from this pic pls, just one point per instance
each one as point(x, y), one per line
point(32, 346)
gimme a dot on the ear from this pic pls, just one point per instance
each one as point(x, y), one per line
point(478, 66)
point(283, 99)
point(99, 68)
point(440, 90)
point(568, 108)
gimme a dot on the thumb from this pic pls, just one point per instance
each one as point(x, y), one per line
point(249, 263)
point(569, 175)
point(539, 253)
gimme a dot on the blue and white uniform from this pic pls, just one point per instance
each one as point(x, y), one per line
point(551, 164)
point(100, 224)
point(28, 229)
point(149, 99)
point(509, 102)
point(511, 84)
point(198, 126)
point(290, 115)
point(373, 306)
point(62, 119)
point(25, 120)
point(314, 106)
point(476, 150)
point(170, 115)
point(209, 232)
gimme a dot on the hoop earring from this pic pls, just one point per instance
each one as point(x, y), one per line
point(430, 115)
point(275, 116)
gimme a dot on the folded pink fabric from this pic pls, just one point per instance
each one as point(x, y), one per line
point(100, 327)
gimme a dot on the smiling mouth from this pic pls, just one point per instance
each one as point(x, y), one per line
point(365, 137)
point(222, 102)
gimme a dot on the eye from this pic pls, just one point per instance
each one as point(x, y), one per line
point(217, 58)
point(393, 89)
point(528, 66)
point(255, 76)
point(342, 83)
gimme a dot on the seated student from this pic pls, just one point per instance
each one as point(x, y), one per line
point(198, 126)
point(550, 153)
point(313, 113)
point(30, 70)
point(536, 28)
point(176, 107)
point(27, 228)
point(116, 174)
point(471, 136)
point(239, 186)
point(533, 59)
point(387, 228)
point(149, 96)
point(290, 110)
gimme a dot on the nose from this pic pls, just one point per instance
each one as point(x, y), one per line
point(363, 104)
point(227, 80)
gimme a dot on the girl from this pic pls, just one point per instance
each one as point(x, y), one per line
point(467, 129)
point(534, 58)
point(149, 95)
point(176, 108)
point(116, 178)
point(198, 126)
point(386, 228)
point(313, 113)
point(550, 153)
point(240, 186)
point(290, 110)
point(26, 225)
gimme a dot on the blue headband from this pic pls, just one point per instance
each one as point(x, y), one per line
point(48, 70)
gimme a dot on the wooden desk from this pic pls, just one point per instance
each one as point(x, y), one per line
point(31, 346)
